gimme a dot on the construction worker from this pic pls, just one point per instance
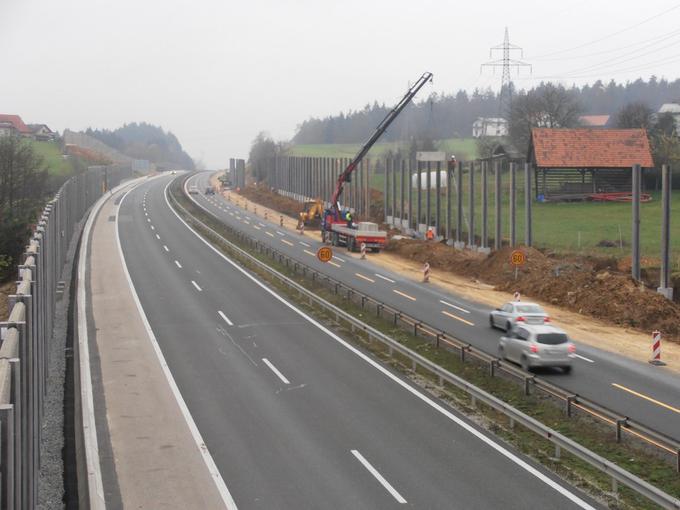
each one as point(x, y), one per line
point(348, 218)
point(429, 235)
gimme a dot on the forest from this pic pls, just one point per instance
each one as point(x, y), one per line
point(450, 115)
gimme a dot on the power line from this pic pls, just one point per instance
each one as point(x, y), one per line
point(646, 20)
point(505, 62)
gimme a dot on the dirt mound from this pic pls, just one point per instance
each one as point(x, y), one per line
point(273, 200)
point(592, 287)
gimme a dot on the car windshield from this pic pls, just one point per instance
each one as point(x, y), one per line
point(529, 309)
point(552, 338)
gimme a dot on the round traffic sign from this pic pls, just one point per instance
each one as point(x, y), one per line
point(324, 254)
point(518, 258)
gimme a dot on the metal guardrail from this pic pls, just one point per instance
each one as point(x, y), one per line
point(622, 425)
point(561, 442)
point(24, 352)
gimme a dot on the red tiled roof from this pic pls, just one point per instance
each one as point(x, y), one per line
point(16, 121)
point(590, 148)
point(594, 120)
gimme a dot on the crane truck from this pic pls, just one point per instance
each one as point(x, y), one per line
point(337, 226)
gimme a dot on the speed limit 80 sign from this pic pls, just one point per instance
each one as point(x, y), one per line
point(518, 258)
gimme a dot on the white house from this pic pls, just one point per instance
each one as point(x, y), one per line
point(489, 126)
point(673, 109)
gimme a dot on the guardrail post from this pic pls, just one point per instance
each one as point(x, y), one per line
point(415, 328)
point(527, 383)
point(437, 338)
point(570, 399)
point(363, 301)
point(619, 424)
point(378, 307)
point(492, 367)
point(615, 488)
point(397, 316)
point(558, 452)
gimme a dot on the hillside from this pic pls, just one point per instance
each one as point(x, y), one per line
point(145, 141)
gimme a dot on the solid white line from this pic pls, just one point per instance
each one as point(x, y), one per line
point(275, 370)
point(379, 477)
point(394, 378)
point(304, 244)
point(453, 306)
point(165, 248)
point(385, 278)
point(178, 264)
point(149, 220)
point(198, 439)
point(226, 319)
point(584, 358)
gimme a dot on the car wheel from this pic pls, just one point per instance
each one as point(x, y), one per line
point(491, 323)
point(524, 362)
point(567, 369)
point(508, 326)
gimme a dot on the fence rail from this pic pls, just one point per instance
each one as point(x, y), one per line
point(622, 424)
point(26, 334)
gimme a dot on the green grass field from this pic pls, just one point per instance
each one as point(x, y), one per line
point(52, 158)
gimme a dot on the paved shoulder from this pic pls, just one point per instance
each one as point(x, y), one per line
point(157, 461)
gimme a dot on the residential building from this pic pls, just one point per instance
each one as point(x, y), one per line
point(42, 132)
point(673, 109)
point(15, 121)
point(594, 121)
point(489, 126)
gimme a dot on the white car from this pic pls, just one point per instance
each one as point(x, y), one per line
point(517, 312)
point(193, 190)
point(538, 346)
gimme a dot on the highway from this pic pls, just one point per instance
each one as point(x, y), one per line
point(293, 416)
point(638, 390)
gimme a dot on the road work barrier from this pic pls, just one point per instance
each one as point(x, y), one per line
point(439, 338)
point(26, 334)
point(656, 349)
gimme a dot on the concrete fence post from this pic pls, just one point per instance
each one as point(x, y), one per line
point(635, 255)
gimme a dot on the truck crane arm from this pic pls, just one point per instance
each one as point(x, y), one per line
point(345, 176)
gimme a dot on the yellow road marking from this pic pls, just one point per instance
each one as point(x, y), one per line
point(309, 253)
point(449, 314)
point(364, 277)
point(403, 294)
point(650, 399)
point(287, 242)
point(269, 234)
point(333, 263)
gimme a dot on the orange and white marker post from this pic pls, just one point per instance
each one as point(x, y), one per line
point(656, 349)
point(281, 220)
point(302, 228)
point(426, 272)
point(363, 251)
point(255, 210)
point(516, 296)
point(266, 216)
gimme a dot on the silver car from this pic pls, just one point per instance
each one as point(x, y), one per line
point(538, 346)
point(513, 313)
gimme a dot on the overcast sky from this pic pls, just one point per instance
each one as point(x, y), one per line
point(216, 72)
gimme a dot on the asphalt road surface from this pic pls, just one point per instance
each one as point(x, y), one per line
point(638, 390)
point(293, 416)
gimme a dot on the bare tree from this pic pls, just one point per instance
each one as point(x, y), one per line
point(634, 115)
point(550, 106)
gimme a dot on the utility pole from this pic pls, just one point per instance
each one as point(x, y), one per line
point(505, 63)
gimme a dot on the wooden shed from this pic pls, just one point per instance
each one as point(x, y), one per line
point(574, 164)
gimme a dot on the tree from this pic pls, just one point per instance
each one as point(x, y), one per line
point(549, 105)
point(23, 187)
point(262, 150)
point(665, 141)
point(634, 115)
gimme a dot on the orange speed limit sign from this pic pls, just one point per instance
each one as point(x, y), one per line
point(518, 258)
point(324, 254)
